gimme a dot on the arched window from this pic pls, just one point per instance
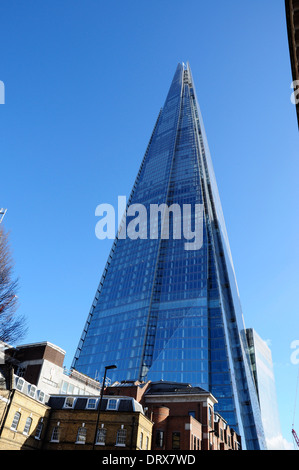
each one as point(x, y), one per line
point(81, 435)
point(55, 434)
point(101, 436)
point(27, 425)
point(39, 429)
point(15, 421)
point(121, 436)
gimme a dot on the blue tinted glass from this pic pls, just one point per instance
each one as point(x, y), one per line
point(165, 313)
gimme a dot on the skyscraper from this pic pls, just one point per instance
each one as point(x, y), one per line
point(166, 309)
point(263, 372)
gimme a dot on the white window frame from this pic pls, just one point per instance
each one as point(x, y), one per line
point(32, 391)
point(27, 426)
point(20, 384)
point(104, 432)
point(15, 423)
point(67, 399)
point(141, 440)
point(41, 396)
point(55, 433)
point(121, 437)
point(88, 407)
point(109, 403)
point(81, 435)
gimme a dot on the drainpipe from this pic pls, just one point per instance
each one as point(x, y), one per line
point(132, 433)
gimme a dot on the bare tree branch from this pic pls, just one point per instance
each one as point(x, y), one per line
point(12, 327)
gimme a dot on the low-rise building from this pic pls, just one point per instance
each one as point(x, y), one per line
point(23, 415)
point(55, 411)
point(41, 364)
point(183, 416)
point(122, 424)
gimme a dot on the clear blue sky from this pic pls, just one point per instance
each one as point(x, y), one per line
point(84, 83)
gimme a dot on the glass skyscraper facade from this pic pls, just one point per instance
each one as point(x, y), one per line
point(263, 372)
point(164, 312)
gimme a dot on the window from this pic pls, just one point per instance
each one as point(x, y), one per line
point(121, 436)
point(146, 443)
point(101, 436)
point(64, 387)
point(176, 440)
point(39, 429)
point(55, 434)
point(91, 404)
point(210, 417)
point(69, 402)
point(41, 396)
point(192, 413)
point(141, 440)
point(27, 425)
point(159, 438)
point(32, 391)
point(112, 404)
point(20, 384)
point(81, 436)
point(15, 421)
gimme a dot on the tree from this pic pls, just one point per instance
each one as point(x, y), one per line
point(12, 326)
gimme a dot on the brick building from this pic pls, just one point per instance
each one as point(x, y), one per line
point(23, 415)
point(158, 416)
point(73, 419)
point(183, 416)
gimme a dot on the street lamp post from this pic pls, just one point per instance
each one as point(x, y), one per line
point(99, 406)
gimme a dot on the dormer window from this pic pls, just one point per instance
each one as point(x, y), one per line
point(91, 404)
point(112, 404)
point(41, 396)
point(20, 384)
point(32, 391)
point(69, 402)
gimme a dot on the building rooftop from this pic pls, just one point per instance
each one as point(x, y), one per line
point(174, 388)
point(41, 344)
point(109, 403)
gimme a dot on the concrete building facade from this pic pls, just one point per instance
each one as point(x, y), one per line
point(41, 364)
